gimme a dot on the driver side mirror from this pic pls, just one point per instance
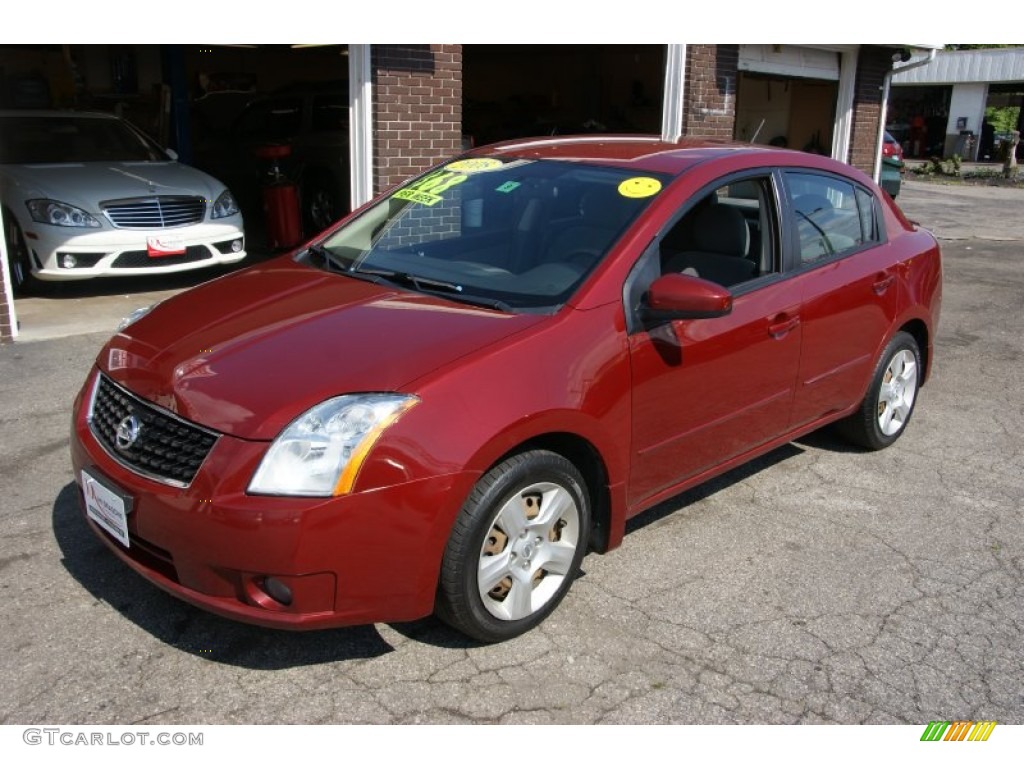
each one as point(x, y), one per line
point(682, 297)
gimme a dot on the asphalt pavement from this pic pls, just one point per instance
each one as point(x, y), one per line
point(819, 584)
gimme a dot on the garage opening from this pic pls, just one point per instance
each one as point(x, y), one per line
point(798, 113)
point(537, 90)
point(247, 97)
point(1004, 113)
point(918, 116)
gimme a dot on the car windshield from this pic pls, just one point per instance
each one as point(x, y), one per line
point(59, 139)
point(513, 234)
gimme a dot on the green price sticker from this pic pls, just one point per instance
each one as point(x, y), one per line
point(427, 191)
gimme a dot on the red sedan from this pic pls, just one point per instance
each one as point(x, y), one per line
point(444, 401)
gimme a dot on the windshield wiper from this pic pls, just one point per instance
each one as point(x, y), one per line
point(417, 282)
point(326, 257)
point(482, 301)
point(436, 287)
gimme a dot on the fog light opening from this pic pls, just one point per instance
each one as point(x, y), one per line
point(277, 590)
point(236, 246)
point(68, 261)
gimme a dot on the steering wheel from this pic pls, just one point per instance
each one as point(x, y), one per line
point(477, 268)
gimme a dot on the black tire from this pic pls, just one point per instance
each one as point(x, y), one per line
point(556, 537)
point(889, 403)
point(23, 282)
point(322, 204)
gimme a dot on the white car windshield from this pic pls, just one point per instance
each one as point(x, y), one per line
point(71, 139)
point(514, 234)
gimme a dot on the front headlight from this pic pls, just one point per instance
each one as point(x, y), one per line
point(59, 214)
point(320, 453)
point(224, 205)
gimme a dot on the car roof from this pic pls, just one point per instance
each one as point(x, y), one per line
point(642, 153)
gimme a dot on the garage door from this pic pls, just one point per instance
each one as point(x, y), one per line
point(790, 61)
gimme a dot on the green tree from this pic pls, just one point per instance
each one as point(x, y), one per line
point(1003, 119)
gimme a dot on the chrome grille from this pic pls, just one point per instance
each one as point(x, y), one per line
point(167, 448)
point(155, 212)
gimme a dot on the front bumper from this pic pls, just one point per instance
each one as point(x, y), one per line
point(107, 251)
point(365, 557)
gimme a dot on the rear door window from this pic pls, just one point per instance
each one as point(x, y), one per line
point(831, 216)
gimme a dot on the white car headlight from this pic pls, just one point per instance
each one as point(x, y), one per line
point(320, 453)
point(59, 214)
point(224, 205)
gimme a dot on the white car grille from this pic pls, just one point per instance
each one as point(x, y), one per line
point(155, 212)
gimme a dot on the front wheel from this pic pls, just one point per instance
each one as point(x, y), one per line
point(889, 403)
point(515, 547)
point(22, 280)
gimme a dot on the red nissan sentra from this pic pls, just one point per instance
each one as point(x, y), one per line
point(445, 400)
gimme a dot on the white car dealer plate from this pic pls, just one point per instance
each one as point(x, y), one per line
point(157, 247)
point(105, 507)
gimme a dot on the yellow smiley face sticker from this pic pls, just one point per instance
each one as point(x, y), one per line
point(639, 186)
point(474, 165)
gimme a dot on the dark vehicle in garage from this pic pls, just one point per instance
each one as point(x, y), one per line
point(312, 121)
point(443, 402)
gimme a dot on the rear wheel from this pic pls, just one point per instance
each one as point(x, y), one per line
point(18, 260)
point(515, 547)
point(889, 403)
point(321, 204)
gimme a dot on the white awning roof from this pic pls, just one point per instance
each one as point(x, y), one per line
point(993, 65)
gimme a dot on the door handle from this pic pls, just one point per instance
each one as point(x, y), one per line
point(782, 326)
point(881, 285)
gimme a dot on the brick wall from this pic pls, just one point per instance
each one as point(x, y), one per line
point(872, 64)
point(417, 109)
point(709, 96)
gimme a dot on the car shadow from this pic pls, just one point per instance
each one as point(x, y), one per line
point(121, 286)
point(712, 486)
point(189, 629)
point(433, 631)
point(829, 439)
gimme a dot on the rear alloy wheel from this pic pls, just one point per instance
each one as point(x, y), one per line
point(889, 403)
point(22, 279)
point(321, 205)
point(515, 548)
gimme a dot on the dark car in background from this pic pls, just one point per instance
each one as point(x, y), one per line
point(312, 121)
point(892, 165)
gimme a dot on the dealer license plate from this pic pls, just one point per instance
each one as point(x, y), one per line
point(107, 508)
point(157, 247)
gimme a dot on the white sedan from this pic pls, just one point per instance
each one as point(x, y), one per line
point(87, 195)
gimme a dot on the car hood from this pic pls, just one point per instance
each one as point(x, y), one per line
point(248, 353)
point(85, 184)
